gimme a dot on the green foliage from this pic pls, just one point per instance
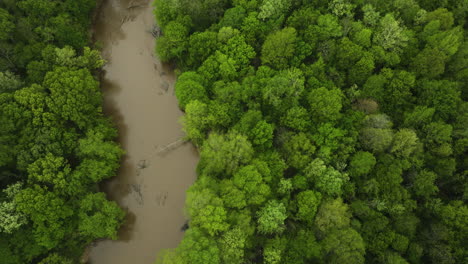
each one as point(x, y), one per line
point(298, 150)
point(273, 8)
point(259, 132)
point(238, 50)
point(344, 245)
point(332, 215)
point(74, 95)
point(99, 156)
point(443, 96)
point(341, 8)
point(371, 16)
point(48, 212)
point(55, 145)
point(376, 139)
point(232, 246)
point(6, 24)
point(391, 35)
point(327, 27)
point(98, 217)
point(173, 44)
point(307, 204)
point(285, 99)
point(225, 153)
point(325, 105)
point(51, 171)
point(424, 185)
point(296, 118)
point(273, 251)
point(196, 121)
point(9, 82)
point(271, 218)
point(10, 218)
point(361, 163)
point(447, 42)
point(405, 142)
point(202, 12)
point(327, 180)
point(279, 48)
point(195, 248)
point(250, 181)
point(284, 89)
point(331, 182)
point(233, 17)
point(429, 63)
point(189, 87)
point(400, 243)
point(207, 211)
point(302, 247)
point(201, 46)
point(55, 259)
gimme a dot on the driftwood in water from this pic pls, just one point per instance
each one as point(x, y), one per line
point(156, 31)
point(184, 227)
point(161, 198)
point(142, 164)
point(136, 188)
point(136, 4)
point(161, 150)
point(125, 19)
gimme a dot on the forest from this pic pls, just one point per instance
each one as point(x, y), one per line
point(329, 131)
point(55, 143)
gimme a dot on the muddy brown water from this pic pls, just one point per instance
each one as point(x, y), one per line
point(157, 168)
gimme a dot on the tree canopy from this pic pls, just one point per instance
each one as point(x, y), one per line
point(329, 131)
point(55, 143)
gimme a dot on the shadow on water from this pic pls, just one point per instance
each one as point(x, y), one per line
point(126, 230)
point(117, 187)
point(111, 89)
point(112, 16)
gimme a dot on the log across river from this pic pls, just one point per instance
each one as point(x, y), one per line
point(158, 166)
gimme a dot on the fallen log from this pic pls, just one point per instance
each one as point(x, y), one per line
point(136, 4)
point(161, 150)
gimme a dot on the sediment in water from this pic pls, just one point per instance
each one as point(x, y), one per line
point(138, 95)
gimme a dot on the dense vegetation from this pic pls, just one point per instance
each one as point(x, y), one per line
point(329, 131)
point(55, 144)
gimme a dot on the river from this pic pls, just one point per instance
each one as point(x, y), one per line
point(139, 96)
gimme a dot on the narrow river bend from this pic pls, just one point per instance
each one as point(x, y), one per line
point(154, 175)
